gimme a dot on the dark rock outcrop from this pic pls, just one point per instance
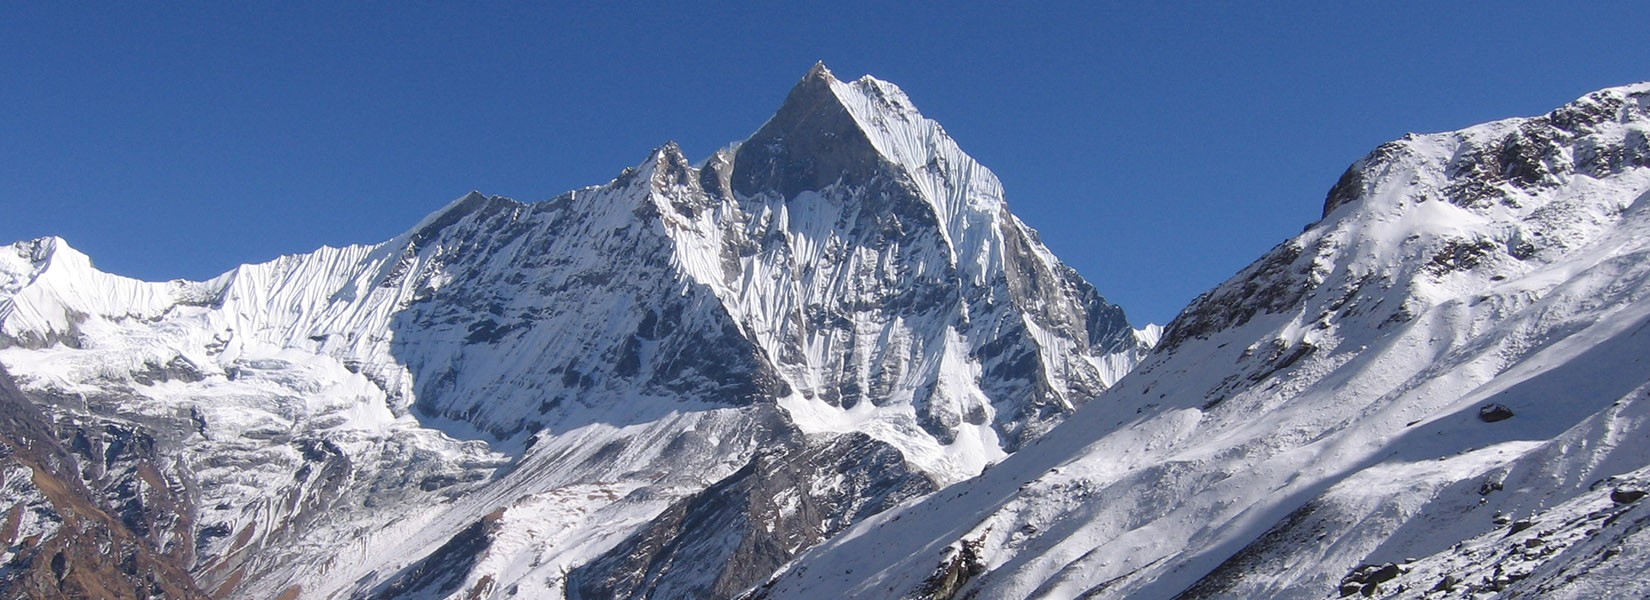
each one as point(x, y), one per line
point(735, 534)
point(1626, 495)
point(82, 546)
point(1491, 413)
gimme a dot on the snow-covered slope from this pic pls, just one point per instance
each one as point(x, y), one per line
point(510, 389)
point(1444, 378)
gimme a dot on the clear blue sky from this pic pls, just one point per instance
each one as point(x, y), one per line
point(1159, 148)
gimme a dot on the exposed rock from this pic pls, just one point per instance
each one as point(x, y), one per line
point(443, 571)
point(962, 563)
point(811, 143)
point(1491, 413)
point(1367, 579)
point(735, 534)
point(1459, 256)
point(1446, 583)
point(1470, 263)
point(1275, 282)
point(77, 546)
point(614, 350)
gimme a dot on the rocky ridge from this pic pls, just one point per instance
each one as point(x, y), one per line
point(1437, 390)
point(532, 386)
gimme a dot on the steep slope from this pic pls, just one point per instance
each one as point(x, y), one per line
point(60, 540)
point(1451, 367)
point(510, 389)
point(736, 533)
point(879, 268)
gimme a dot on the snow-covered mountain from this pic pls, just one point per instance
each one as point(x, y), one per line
point(1439, 390)
point(827, 319)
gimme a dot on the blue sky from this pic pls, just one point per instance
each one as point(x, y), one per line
point(1157, 147)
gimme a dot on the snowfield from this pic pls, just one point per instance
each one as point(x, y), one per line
point(510, 390)
point(1334, 419)
point(828, 362)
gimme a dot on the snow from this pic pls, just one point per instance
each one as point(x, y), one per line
point(34, 513)
point(803, 270)
point(1273, 454)
point(570, 367)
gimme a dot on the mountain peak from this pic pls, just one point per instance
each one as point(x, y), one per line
point(819, 71)
point(846, 283)
point(52, 250)
point(813, 141)
point(1596, 135)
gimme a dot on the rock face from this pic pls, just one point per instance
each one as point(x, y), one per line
point(1335, 418)
point(536, 385)
point(733, 535)
point(116, 529)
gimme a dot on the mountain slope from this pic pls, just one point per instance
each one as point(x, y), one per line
point(1451, 366)
point(59, 539)
point(509, 389)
